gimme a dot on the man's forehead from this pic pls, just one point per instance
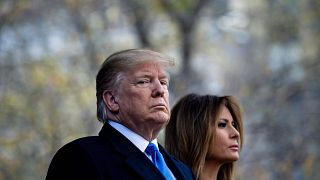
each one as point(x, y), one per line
point(148, 69)
point(148, 73)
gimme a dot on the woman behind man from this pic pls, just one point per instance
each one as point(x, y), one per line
point(206, 133)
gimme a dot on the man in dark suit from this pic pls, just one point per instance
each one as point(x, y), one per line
point(133, 104)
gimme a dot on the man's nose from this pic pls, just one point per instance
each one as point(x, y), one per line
point(158, 89)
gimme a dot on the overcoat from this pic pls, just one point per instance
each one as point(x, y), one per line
point(109, 156)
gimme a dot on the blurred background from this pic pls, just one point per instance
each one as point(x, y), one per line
point(266, 53)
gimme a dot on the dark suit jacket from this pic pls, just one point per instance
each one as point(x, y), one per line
point(109, 156)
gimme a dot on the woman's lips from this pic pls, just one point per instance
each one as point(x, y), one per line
point(234, 147)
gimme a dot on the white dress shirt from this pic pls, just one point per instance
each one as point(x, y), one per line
point(135, 138)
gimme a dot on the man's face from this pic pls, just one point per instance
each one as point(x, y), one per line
point(143, 99)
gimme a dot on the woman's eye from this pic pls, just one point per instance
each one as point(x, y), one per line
point(222, 124)
point(234, 125)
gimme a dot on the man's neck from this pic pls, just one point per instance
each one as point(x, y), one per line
point(139, 141)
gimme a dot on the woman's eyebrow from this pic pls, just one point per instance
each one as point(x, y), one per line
point(224, 119)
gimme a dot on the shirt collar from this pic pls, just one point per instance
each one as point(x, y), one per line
point(135, 138)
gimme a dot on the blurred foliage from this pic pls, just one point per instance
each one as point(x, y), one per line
point(266, 53)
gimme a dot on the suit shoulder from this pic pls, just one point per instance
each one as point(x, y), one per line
point(73, 160)
point(187, 172)
point(84, 141)
point(89, 145)
point(179, 162)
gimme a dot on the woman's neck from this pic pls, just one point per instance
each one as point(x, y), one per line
point(210, 170)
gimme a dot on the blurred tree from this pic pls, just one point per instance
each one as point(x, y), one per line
point(264, 52)
point(139, 13)
point(186, 14)
point(283, 93)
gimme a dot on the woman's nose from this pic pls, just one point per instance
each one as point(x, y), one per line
point(234, 133)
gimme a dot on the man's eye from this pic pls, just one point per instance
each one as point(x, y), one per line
point(143, 81)
point(165, 83)
point(222, 124)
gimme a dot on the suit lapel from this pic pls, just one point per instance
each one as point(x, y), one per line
point(132, 156)
point(173, 165)
point(146, 170)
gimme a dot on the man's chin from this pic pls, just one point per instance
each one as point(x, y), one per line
point(161, 117)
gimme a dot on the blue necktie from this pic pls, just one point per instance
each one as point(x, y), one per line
point(158, 160)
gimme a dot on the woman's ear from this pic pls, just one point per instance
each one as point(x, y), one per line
point(110, 100)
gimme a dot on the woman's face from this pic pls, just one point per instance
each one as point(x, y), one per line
point(224, 146)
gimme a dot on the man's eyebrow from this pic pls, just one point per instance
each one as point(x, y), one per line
point(164, 77)
point(142, 74)
point(149, 74)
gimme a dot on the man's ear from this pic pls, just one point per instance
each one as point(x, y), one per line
point(110, 100)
